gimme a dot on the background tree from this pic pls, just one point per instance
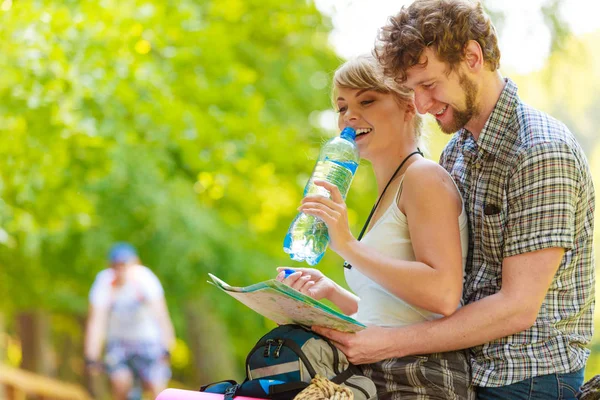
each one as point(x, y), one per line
point(178, 126)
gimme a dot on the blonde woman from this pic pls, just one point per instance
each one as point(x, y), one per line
point(409, 265)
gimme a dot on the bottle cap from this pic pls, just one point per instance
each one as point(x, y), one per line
point(288, 272)
point(348, 133)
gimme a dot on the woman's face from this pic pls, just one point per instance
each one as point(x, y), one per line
point(378, 118)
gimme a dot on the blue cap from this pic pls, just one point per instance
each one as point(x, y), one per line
point(348, 133)
point(121, 252)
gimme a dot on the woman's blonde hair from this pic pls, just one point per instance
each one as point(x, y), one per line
point(364, 72)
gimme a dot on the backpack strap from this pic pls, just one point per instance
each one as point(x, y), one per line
point(204, 387)
point(341, 378)
point(336, 355)
point(344, 376)
point(231, 391)
point(287, 387)
point(296, 349)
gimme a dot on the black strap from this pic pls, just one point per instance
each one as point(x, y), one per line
point(231, 391)
point(204, 387)
point(286, 387)
point(298, 350)
point(364, 228)
point(341, 378)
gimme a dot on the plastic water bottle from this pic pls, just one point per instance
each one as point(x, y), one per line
point(307, 238)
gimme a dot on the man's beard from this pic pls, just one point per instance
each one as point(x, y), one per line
point(462, 117)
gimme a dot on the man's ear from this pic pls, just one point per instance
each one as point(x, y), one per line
point(473, 56)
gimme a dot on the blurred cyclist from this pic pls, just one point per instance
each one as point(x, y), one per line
point(128, 313)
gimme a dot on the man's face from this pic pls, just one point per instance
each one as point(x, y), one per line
point(121, 268)
point(450, 98)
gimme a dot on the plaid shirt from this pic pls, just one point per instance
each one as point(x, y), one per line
point(527, 186)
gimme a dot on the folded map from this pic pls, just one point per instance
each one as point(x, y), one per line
point(284, 305)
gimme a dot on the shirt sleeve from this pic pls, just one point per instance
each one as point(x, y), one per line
point(542, 197)
point(101, 289)
point(150, 285)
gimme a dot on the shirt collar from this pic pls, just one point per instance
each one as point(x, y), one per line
point(495, 127)
point(500, 120)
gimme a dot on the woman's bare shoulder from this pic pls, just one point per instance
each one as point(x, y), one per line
point(426, 179)
point(428, 170)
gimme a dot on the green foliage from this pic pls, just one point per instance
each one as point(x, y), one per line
point(178, 126)
point(559, 30)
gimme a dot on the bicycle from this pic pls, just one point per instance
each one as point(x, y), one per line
point(137, 389)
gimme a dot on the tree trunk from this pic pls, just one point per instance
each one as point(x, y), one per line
point(35, 334)
point(3, 338)
point(70, 363)
point(209, 344)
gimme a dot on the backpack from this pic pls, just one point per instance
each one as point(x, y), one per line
point(283, 362)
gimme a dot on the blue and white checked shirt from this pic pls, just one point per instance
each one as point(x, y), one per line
point(527, 186)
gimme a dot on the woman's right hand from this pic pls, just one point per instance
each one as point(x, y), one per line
point(309, 281)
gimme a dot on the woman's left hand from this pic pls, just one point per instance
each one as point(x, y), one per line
point(333, 212)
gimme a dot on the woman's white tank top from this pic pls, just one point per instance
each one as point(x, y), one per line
point(390, 236)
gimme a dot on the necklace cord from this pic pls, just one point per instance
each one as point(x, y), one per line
point(364, 228)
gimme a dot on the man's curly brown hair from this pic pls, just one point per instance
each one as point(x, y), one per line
point(444, 25)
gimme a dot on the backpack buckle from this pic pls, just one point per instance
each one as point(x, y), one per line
point(268, 348)
point(279, 345)
point(230, 392)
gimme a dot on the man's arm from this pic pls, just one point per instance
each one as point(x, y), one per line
point(95, 332)
point(525, 282)
point(160, 310)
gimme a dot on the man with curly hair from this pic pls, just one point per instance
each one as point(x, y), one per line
point(529, 285)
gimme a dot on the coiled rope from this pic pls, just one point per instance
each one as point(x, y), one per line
point(590, 390)
point(321, 388)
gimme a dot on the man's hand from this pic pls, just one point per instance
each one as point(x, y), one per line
point(94, 367)
point(367, 346)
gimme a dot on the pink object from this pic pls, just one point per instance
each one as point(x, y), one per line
point(178, 394)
